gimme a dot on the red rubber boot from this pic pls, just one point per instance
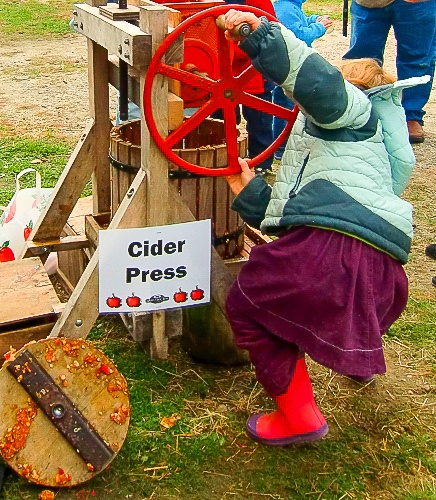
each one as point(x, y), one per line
point(297, 418)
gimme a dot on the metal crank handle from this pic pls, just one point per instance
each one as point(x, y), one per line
point(242, 30)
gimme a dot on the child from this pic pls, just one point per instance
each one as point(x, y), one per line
point(307, 28)
point(333, 282)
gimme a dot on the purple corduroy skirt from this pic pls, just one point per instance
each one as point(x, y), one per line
point(317, 291)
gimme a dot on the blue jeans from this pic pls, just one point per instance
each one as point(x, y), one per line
point(280, 99)
point(259, 131)
point(414, 30)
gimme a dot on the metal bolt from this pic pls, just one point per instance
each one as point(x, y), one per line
point(74, 12)
point(228, 93)
point(79, 322)
point(126, 41)
point(75, 24)
point(58, 411)
point(130, 192)
point(120, 49)
point(46, 249)
point(81, 26)
point(127, 55)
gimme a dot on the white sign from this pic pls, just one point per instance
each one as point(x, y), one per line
point(152, 268)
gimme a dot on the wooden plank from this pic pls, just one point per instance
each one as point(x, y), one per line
point(206, 192)
point(67, 191)
point(64, 244)
point(112, 11)
point(18, 338)
point(124, 178)
point(115, 174)
point(82, 208)
point(27, 291)
point(91, 230)
point(188, 188)
point(175, 111)
point(127, 41)
point(99, 112)
point(154, 19)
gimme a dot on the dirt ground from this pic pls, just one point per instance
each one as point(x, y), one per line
point(43, 86)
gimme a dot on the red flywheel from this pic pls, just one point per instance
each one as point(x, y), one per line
point(224, 92)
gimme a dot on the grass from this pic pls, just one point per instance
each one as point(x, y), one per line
point(48, 156)
point(382, 439)
point(33, 18)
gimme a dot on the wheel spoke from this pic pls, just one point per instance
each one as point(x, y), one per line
point(191, 123)
point(193, 79)
point(270, 108)
point(246, 76)
point(224, 58)
point(231, 135)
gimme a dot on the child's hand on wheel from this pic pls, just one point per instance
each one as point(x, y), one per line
point(235, 17)
point(238, 181)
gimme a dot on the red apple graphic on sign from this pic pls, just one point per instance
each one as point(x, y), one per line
point(180, 296)
point(197, 294)
point(113, 301)
point(133, 301)
point(6, 254)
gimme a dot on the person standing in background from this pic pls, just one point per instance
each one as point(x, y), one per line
point(413, 22)
point(258, 123)
point(306, 28)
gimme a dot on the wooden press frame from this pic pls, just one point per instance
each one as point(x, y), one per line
point(150, 195)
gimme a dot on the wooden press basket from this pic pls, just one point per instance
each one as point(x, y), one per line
point(207, 197)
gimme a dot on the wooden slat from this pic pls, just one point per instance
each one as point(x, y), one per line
point(99, 112)
point(68, 189)
point(205, 195)
point(26, 292)
point(188, 188)
point(154, 19)
point(18, 338)
point(111, 35)
point(64, 244)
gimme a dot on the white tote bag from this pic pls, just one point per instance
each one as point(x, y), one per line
point(20, 216)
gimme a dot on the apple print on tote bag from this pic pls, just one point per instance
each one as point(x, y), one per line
point(20, 216)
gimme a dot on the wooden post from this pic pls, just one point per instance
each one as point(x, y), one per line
point(98, 81)
point(154, 19)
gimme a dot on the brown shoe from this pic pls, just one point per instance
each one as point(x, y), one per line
point(416, 133)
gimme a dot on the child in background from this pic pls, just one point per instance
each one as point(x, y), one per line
point(333, 281)
point(306, 28)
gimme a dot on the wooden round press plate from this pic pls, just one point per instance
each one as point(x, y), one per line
point(35, 443)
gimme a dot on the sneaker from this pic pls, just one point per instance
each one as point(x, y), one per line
point(416, 133)
point(430, 251)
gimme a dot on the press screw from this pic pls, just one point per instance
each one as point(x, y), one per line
point(78, 322)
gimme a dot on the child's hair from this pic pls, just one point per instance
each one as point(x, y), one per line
point(364, 73)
